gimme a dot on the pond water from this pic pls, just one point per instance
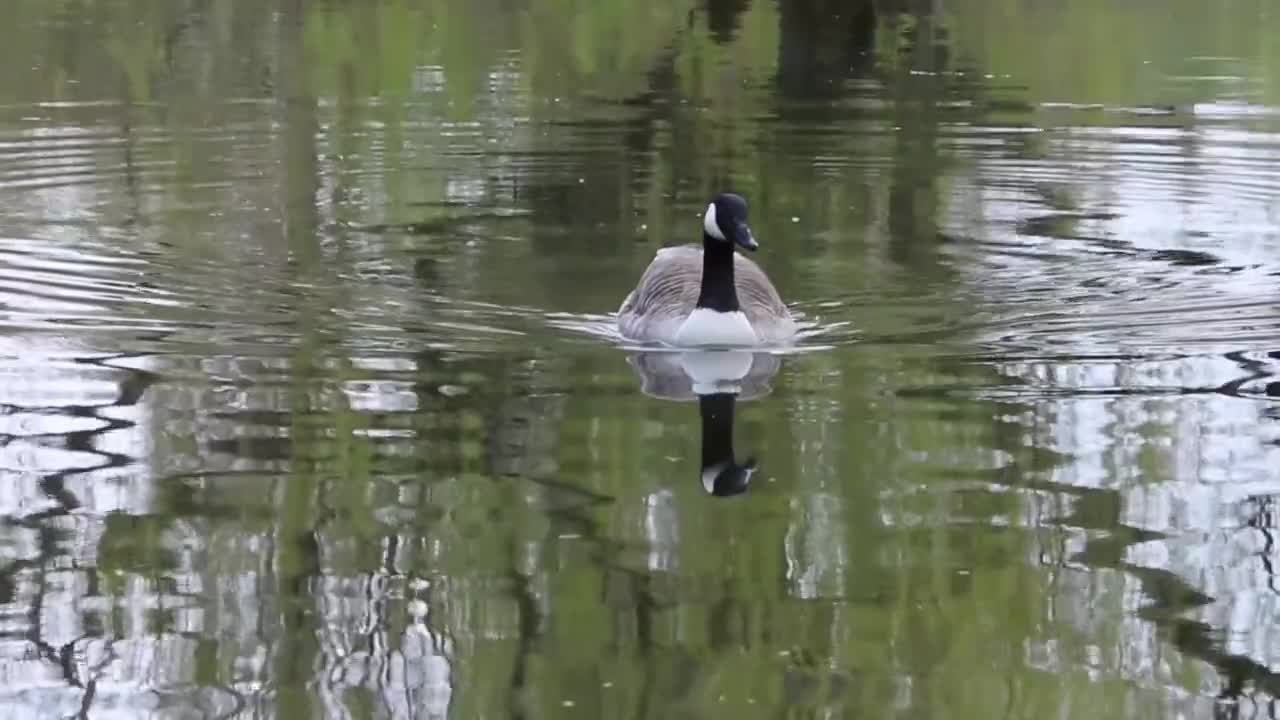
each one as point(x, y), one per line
point(310, 404)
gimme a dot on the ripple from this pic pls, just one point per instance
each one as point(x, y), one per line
point(810, 336)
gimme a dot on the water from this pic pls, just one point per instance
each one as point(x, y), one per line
point(310, 405)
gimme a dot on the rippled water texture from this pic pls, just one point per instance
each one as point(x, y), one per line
point(311, 405)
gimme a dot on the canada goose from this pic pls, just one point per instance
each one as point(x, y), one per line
point(693, 296)
point(718, 380)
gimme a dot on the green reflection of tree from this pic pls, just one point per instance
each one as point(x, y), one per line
point(1122, 55)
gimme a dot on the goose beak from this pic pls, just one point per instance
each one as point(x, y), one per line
point(745, 239)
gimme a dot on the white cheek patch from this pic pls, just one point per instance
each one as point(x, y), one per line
point(709, 223)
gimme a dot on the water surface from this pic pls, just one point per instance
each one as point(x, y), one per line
point(309, 405)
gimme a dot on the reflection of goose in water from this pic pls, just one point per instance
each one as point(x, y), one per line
point(717, 379)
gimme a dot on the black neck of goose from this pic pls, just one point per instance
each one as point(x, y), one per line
point(718, 291)
point(716, 410)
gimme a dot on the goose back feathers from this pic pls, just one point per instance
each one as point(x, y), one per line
point(668, 292)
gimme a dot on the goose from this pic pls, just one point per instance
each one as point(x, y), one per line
point(708, 295)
